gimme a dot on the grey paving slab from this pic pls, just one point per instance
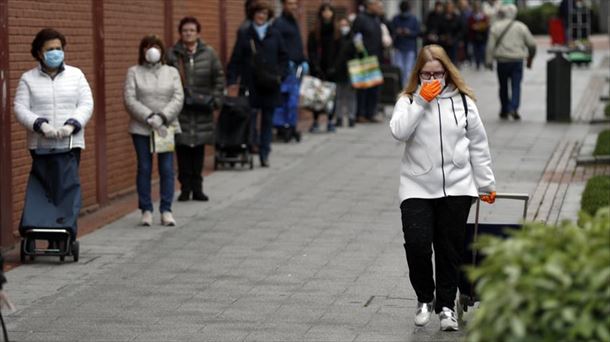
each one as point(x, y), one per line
point(307, 250)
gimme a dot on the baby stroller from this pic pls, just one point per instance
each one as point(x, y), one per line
point(471, 257)
point(52, 204)
point(233, 133)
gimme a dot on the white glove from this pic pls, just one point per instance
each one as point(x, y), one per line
point(48, 131)
point(162, 131)
point(65, 131)
point(155, 121)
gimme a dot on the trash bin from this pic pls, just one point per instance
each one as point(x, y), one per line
point(558, 88)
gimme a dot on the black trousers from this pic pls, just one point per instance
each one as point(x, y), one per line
point(439, 222)
point(190, 166)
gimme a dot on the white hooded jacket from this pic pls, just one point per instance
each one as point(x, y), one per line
point(446, 151)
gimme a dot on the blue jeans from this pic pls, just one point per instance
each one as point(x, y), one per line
point(144, 175)
point(405, 61)
point(479, 53)
point(264, 139)
point(513, 72)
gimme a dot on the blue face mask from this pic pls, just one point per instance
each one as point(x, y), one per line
point(53, 58)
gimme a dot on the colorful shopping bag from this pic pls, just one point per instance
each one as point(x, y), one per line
point(365, 72)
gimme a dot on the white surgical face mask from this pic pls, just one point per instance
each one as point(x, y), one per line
point(153, 55)
point(345, 30)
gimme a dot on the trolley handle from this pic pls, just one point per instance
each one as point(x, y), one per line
point(502, 195)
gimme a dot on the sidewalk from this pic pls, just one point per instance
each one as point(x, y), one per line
point(307, 250)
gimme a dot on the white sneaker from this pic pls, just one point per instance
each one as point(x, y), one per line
point(146, 219)
point(448, 320)
point(167, 219)
point(422, 315)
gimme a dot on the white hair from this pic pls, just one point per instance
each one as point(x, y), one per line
point(508, 11)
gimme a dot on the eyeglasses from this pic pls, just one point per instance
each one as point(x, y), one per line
point(427, 75)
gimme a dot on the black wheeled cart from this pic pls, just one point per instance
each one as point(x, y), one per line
point(467, 296)
point(233, 133)
point(52, 205)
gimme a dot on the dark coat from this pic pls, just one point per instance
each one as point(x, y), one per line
point(345, 51)
point(369, 26)
point(240, 65)
point(204, 74)
point(405, 41)
point(321, 50)
point(291, 35)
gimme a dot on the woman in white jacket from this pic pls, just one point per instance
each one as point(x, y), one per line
point(53, 102)
point(153, 97)
point(445, 165)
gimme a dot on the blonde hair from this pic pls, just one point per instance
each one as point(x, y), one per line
point(436, 52)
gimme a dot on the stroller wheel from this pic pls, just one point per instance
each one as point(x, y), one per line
point(75, 250)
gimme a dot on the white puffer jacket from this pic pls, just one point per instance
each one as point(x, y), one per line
point(67, 96)
point(446, 152)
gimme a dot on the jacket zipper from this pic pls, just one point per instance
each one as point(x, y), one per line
point(453, 109)
point(440, 127)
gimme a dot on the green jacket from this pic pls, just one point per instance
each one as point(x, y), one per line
point(204, 74)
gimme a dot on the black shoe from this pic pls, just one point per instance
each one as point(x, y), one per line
point(352, 123)
point(338, 123)
point(184, 196)
point(264, 162)
point(515, 116)
point(504, 116)
point(200, 196)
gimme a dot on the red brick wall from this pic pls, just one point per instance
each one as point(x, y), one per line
point(73, 19)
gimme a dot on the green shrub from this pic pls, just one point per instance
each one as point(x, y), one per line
point(602, 147)
point(545, 283)
point(596, 194)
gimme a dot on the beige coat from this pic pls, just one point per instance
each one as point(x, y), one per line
point(152, 89)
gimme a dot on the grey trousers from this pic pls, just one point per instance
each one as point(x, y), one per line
point(345, 103)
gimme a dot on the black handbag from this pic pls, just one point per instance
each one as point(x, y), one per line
point(194, 100)
point(266, 78)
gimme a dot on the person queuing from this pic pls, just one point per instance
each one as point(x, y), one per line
point(153, 98)
point(260, 61)
point(478, 29)
point(434, 21)
point(510, 42)
point(53, 102)
point(451, 31)
point(367, 25)
point(445, 165)
point(406, 31)
point(345, 100)
point(322, 51)
point(201, 73)
point(286, 115)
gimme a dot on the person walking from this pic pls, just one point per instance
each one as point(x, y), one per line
point(345, 100)
point(478, 29)
point(510, 42)
point(445, 165)
point(53, 102)
point(285, 117)
point(406, 30)
point(153, 98)
point(202, 74)
point(260, 61)
point(322, 51)
point(367, 27)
